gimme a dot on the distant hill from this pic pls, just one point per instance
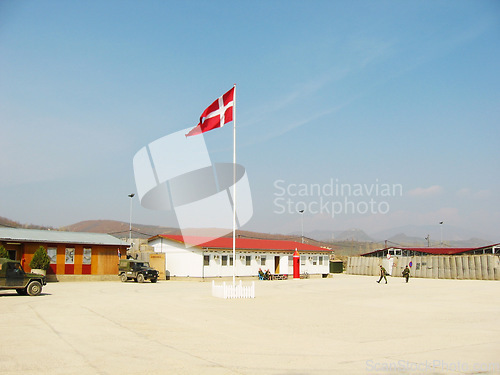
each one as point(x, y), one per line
point(402, 239)
point(119, 228)
point(409, 235)
point(4, 222)
point(353, 234)
point(344, 243)
point(418, 233)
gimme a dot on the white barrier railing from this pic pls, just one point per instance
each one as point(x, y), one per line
point(233, 291)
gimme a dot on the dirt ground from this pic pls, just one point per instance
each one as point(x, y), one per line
point(342, 325)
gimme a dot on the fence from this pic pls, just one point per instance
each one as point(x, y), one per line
point(471, 267)
point(233, 291)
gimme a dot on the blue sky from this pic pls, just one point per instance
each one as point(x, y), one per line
point(354, 92)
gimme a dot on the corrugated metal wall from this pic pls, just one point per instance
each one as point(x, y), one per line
point(471, 267)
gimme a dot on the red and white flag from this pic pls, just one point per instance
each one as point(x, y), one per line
point(220, 112)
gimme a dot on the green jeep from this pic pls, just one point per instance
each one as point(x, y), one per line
point(136, 270)
point(12, 276)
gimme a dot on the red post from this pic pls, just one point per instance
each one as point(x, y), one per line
point(296, 265)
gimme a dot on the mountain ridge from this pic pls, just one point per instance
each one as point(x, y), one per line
point(121, 229)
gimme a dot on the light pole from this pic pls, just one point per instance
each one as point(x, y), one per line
point(302, 225)
point(441, 226)
point(130, 221)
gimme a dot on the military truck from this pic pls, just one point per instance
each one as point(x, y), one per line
point(136, 270)
point(12, 276)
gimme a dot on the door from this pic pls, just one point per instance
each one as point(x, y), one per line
point(157, 261)
point(276, 265)
point(14, 274)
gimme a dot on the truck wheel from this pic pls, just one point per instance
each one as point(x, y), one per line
point(140, 278)
point(34, 288)
point(123, 277)
point(154, 280)
point(22, 292)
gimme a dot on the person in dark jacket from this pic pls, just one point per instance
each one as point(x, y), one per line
point(383, 274)
point(406, 273)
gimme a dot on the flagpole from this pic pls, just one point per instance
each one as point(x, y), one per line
point(234, 186)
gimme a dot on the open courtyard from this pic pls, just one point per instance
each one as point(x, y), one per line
point(341, 325)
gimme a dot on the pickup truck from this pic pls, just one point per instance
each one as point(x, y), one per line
point(12, 276)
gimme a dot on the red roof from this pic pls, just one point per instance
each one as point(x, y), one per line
point(242, 243)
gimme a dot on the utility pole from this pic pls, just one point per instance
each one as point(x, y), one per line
point(302, 225)
point(441, 226)
point(130, 222)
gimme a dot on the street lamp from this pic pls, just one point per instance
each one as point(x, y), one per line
point(441, 226)
point(130, 221)
point(302, 225)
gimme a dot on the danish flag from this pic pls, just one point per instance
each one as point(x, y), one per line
point(217, 114)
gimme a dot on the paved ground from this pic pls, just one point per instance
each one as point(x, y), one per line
point(343, 325)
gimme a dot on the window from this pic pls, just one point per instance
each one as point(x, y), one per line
point(290, 261)
point(320, 260)
point(70, 256)
point(302, 260)
point(231, 260)
point(248, 260)
point(87, 261)
point(87, 256)
point(315, 260)
point(224, 260)
point(263, 260)
point(206, 260)
point(69, 260)
point(52, 253)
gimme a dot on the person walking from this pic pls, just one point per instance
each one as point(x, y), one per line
point(406, 273)
point(383, 274)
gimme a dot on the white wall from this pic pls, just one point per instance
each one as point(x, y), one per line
point(310, 263)
point(217, 267)
point(179, 260)
point(190, 262)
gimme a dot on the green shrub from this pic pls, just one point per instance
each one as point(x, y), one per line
point(40, 259)
point(3, 253)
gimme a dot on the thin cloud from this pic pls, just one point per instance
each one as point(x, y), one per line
point(464, 192)
point(482, 194)
point(469, 193)
point(426, 192)
point(306, 90)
